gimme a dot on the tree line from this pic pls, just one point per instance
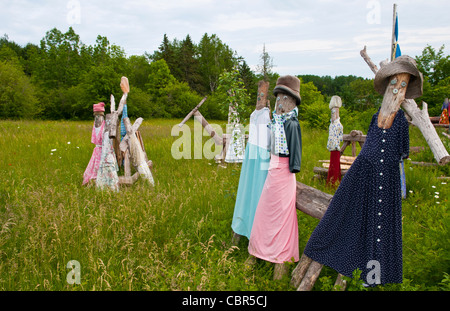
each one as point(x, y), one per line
point(62, 77)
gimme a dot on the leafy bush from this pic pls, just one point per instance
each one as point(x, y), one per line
point(317, 115)
point(17, 94)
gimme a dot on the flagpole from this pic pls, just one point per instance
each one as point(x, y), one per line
point(393, 32)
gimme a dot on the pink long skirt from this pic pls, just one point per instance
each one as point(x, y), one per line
point(274, 235)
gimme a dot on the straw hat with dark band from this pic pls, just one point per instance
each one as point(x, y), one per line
point(402, 64)
point(289, 85)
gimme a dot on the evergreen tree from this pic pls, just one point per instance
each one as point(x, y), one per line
point(189, 65)
point(215, 57)
point(266, 65)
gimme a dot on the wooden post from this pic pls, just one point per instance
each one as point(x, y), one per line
point(199, 117)
point(280, 270)
point(189, 115)
point(263, 90)
point(392, 99)
point(115, 122)
point(393, 33)
point(419, 118)
point(137, 154)
point(299, 272)
point(340, 283)
point(310, 277)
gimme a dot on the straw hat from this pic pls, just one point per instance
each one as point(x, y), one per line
point(402, 64)
point(289, 85)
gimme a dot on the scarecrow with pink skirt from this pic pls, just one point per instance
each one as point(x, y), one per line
point(274, 235)
point(96, 138)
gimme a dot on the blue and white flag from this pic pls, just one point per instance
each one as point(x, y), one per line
point(397, 52)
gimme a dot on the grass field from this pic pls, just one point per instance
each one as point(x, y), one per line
point(177, 235)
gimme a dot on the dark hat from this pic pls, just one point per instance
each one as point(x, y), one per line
point(402, 64)
point(289, 85)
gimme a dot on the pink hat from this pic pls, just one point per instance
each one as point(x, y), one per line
point(99, 107)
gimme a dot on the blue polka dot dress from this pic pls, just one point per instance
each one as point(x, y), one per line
point(362, 227)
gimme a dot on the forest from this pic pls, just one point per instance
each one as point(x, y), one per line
point(62, 77)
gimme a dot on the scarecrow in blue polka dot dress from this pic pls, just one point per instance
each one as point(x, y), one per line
point(362, 227)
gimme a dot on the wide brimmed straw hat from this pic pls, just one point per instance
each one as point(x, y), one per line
point(402, 64)
point(289, 85)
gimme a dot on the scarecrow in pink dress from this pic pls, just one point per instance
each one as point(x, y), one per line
point(96, 138)
point(274, 235)
point(107, 177)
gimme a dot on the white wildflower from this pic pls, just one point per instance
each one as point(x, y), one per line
point(53, 150)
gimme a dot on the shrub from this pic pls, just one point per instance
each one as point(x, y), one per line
point(317, 115)
point(17, 94)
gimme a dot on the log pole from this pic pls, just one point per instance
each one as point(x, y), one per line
point(299, 272)
point(263, 90)
point(311, 276)
point(199, 117)
point(312, 201)
point(392, 99)
point(189, 115)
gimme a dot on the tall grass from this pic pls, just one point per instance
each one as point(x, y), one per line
point(174, 236)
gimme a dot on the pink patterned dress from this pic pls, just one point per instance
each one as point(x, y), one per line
point(94, 163)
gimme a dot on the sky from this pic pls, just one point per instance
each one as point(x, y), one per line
point(320, 37)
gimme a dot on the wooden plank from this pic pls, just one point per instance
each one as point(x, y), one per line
point(343, 166)
point(348, 158)
point(423, 163)
point(435, 119)
point(324, 171)
point(344, 162)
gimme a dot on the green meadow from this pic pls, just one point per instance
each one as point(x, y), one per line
point(176, 235)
